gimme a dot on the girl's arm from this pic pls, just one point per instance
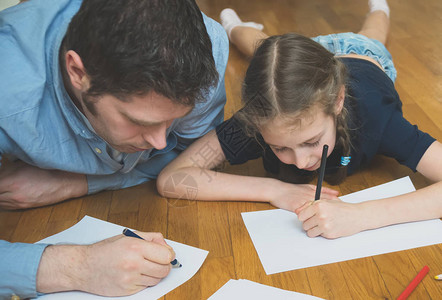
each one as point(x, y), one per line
point(204, 154)
point(331, 219)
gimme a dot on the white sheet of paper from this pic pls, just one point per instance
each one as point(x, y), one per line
point(246, 289)
point(282, 244)
point(90, 230)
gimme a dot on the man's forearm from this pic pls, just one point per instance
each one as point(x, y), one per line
point(25, 186)
point(73, 185)
point(58, 268)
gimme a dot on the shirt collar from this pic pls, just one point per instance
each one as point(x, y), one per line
point(78, 123)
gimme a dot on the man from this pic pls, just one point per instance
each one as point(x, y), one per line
point(107, 103)
point(101, 95)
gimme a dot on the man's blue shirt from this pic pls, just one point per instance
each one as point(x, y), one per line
point(40, 125)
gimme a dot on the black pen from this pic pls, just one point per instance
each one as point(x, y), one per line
point(127, 232)
point(321, 172)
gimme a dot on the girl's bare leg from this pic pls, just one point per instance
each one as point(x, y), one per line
point(376, 26)
point(246, 39)
point(244, 35)
point(247, 35)
point(377, 22)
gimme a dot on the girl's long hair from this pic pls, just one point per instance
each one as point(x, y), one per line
point(288, 76)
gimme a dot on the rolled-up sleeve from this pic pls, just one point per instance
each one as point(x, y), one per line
point(97, 183)
point(143, 172)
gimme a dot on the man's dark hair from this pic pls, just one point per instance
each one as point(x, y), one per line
point(136, 46)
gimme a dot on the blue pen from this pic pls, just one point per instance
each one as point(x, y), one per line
point(127, 232)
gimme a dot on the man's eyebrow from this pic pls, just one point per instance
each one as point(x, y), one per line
point(123, 98)
point(147, 123)
point(140, 122)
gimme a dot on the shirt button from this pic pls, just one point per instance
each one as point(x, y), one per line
point(98, 150)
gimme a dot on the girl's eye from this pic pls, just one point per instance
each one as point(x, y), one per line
point(280, 149)
point(315, 144)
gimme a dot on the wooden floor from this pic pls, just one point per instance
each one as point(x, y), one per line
point(415, 43)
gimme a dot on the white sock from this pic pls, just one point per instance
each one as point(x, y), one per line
point(379, 5)
point(229, 20)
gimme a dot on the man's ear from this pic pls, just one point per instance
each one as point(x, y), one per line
point(76, 71)
point(340, 101)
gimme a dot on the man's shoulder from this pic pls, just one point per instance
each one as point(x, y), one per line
point(26, 53)
point(219, 39)
point(21, 85)
point(214, 29)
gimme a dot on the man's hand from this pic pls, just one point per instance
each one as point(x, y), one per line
point(117, 266)
point(25, 186)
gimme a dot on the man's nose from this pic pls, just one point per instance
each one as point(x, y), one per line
point(156, 137)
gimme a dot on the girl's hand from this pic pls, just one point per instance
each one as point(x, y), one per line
point(290, 196)
point(330, 218)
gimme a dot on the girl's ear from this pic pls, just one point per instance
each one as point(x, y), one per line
point(76, 71)
point(340, 101)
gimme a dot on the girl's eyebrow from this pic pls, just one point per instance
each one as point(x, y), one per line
point(319, 135)
point(271, 145)
point(314, 138)
point(275, 146)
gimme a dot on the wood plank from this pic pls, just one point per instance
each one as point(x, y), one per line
point(370, 285)
point(397, 272)
point(152, 213)
point(32, 225)
point(183, 227)
point(63, 216)
point(414, 43)
point(430, 256)
point(214, 228)
point(328, 282)
point(247, 264)
point(296, 281)
point(8, 222)
point(215, 273)
point(97, 205)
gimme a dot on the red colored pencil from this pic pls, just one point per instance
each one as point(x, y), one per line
point(413, 284)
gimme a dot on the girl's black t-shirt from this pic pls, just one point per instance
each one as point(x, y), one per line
point(375, 120)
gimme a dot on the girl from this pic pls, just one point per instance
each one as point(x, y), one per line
point(297, 97)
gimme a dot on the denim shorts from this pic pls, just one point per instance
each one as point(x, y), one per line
point(352, 43)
